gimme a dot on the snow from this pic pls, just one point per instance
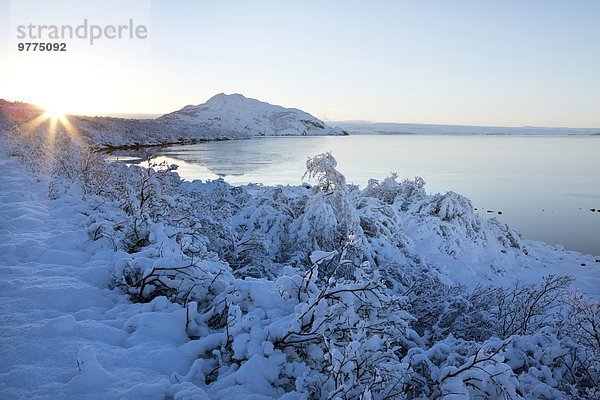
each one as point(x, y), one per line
point(317, 257)
point(61, 325)
point(125, 282)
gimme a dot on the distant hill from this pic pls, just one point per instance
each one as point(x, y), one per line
point(391, 128)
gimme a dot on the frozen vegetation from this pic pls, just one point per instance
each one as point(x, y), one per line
point(120, 281)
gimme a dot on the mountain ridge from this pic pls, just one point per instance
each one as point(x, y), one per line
point(222, 117)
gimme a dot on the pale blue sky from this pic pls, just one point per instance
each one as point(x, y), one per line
point(455, 62)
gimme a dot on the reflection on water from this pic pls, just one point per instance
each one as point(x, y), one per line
point(544, 186)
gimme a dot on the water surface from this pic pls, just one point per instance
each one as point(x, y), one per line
point(544, 186)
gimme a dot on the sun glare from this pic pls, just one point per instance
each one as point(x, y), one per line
point(54, 113)
point(53, 121)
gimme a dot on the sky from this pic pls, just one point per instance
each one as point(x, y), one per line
point(507, 63)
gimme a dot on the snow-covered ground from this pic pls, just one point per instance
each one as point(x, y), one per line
point(64, 334)
point(125, 282)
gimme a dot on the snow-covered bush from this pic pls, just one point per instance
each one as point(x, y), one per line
point(578, 324)
point(146, 200)
point(551, 367)
point(30, 145)
point(523, 309)
point(323, 168)
point(580, 319)
point(77, 167)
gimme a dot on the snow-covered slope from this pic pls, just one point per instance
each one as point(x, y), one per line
point(243, 116)
point(16, 112)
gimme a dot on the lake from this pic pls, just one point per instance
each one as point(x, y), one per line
point(544, 186)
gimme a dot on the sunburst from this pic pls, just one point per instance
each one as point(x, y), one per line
point(54, 121)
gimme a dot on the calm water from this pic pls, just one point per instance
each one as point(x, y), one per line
point(544, 186)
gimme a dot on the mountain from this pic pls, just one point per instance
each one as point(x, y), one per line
point(238, 115)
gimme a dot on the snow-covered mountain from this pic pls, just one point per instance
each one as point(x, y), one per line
point(239, 115)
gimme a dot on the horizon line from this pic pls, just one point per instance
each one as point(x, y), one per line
point(154, 115)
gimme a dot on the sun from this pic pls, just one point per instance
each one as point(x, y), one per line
point(53, 121)
point(53, 113)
